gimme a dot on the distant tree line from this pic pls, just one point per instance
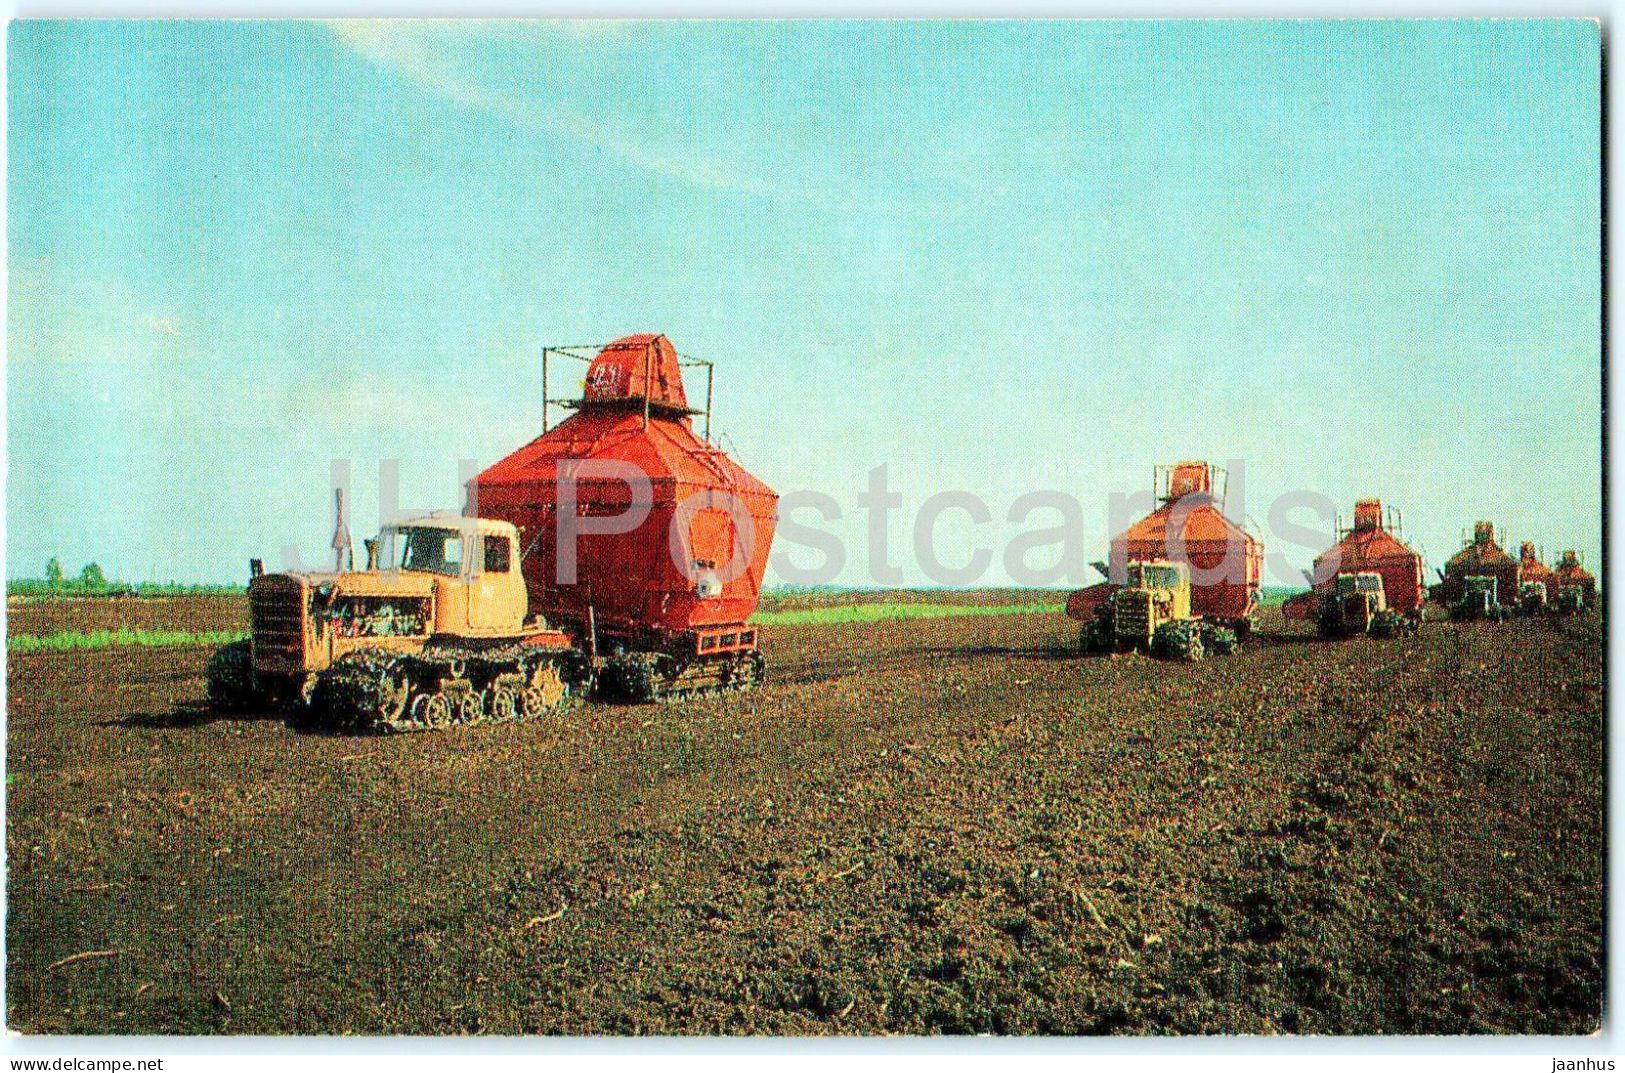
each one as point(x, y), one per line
point(92, 581)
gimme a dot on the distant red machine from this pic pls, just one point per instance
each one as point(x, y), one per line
point(1530, 568)
point(1226, 561)
point(1372, 545)
point(1481, 555)
point(1571, 574)
point(677, 625)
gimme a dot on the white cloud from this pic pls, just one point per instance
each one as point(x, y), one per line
point(404, 48)
point(162, 325)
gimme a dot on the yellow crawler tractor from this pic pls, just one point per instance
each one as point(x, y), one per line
point(432, 633)
point(1151, 613)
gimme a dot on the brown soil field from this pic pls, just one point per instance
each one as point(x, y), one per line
point(951, 825)
point(35, 616)
point(796, 600)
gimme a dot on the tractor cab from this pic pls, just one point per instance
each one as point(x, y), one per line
point(1364, 582)
point(1172, 580)
point(474, 564)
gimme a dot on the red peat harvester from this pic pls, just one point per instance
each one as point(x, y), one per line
point(1188, 541)
point(1481, 581)
point(1370, 581)
point(658, 562)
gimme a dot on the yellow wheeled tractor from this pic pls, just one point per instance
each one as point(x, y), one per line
point(432, 633)
point(1355, 604)
point(1151, 613)
point(1532, 599)
point(1480, 599)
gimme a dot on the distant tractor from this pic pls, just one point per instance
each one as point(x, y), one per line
point(1481, 556)
point(1479, 599)
point(1356, 604)
point(1530, 568)
point(1576, 587)
point(1570, 601)
point(1532, 598)
point(1151, 613)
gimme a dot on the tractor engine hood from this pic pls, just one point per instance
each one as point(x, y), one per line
point(361, 582)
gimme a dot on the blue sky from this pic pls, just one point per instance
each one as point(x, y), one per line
point(997, 257)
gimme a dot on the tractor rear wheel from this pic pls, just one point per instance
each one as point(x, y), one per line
point(231, 683)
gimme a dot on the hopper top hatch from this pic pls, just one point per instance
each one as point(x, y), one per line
point(1367, 515)
point(1194, 477)
point(1372, 522)
point(641, 372)
point(633, 370)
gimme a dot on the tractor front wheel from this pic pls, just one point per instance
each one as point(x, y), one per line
point(1180, 641)
point(1220, 640)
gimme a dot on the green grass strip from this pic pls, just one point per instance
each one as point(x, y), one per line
point(82, 640)
point(889, 612)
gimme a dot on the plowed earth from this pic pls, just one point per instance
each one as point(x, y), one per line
point(932, 826)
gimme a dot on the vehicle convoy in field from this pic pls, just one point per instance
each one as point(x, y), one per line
point(643, 590)
point(1151, 613)
point(1223, 562)
point(1369, 582)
